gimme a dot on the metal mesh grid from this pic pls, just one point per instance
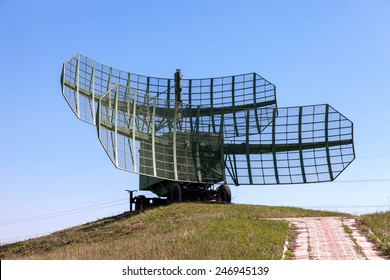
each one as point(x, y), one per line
point(146, 135)
point(84, 81)
point(304, 144)
point(224, 126)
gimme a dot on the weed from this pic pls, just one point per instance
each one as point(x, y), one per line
point(357, 248)
point(377, 226)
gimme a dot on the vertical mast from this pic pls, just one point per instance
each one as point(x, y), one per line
point(178, 86)
point(178, 97)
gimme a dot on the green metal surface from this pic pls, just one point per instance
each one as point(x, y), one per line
point(300, 146)
point(273, 147)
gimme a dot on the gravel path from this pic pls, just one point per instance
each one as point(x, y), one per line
point(325, 238)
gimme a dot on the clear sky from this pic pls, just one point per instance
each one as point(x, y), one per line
point(53, 171)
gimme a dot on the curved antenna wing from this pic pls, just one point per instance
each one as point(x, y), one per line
point(84, 81)
point(305, 144)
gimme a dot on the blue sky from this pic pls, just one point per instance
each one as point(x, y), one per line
point(335, 52)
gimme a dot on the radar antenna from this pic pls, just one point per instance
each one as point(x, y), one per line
point(183, 136)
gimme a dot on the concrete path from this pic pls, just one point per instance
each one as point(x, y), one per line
point(325, 238)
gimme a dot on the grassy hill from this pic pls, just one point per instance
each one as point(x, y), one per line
point(178, 231)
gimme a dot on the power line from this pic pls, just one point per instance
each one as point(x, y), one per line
point(373, 155)
point(19, 238)
point(65, 212)
point(361, 181)
point(62, 194)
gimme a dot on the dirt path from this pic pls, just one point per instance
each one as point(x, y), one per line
point(331, 238)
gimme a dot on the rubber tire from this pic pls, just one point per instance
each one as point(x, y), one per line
point(139, 201)
point(177, 193)
point(224, 193)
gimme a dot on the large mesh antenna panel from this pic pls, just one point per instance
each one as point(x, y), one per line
point(304, 144)
point(84, 81)
point(207, 130)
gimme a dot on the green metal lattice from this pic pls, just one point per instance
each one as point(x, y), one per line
point(214, 128)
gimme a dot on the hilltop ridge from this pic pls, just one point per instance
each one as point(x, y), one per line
point(177, 231)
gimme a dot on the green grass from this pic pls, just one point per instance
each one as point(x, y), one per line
point(379, 224)
point(178, 231)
